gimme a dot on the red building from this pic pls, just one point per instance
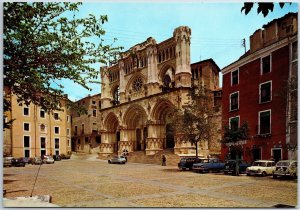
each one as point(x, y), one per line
point(256, 90)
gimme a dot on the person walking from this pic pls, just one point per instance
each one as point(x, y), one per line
point(164, 160)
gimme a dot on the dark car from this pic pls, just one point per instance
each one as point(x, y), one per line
point(230, 166)
point(18, 162)
point(209, 165)
point(56, 157)
point(27, 160)
point(187, 162)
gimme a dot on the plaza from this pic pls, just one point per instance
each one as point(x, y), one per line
point(95, 183)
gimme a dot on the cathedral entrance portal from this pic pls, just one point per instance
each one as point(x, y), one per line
point(138, 139)
point(170, 136)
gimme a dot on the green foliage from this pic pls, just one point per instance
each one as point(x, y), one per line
point(44, 43)
point(263, 8)
point(234, 135)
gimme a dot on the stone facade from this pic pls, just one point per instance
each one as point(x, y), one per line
point(35, 132)
point(85, 136)
point(140, 90)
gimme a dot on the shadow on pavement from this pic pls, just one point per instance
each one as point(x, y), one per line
point(8, 181)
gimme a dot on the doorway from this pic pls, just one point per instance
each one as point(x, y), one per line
point(145, 135)
point(276, 154)
point(118, 139)
point(256, 154)
point(170, 136)
point(138, 139)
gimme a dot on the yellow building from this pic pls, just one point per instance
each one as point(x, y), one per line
point(35, 132)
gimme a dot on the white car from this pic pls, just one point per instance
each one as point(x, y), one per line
point(120, 160)
point(48, 159)
point(261, 167)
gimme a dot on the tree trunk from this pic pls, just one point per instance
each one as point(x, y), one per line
point(197, 152)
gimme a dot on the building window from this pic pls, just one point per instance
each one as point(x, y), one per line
point(56, 130)
point(68, 131)
point(25, 111)
point(94, 113)
point(86, 139)
point(99, 104)
point(75, 130)
point(93, 102)
point(68, 143)
point(265, 92)
point(26, 126)
point(116, 96)
point(234, 101)
point(26, 141)
point(43, 142)
point(42, 114)
point(234, 123)
point(265, 122)
point(68, 118)
point(266, 64)
point(137, 84)
point(56, 141)
point(56, 116)
point(235, 77)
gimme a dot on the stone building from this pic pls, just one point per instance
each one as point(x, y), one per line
point(257, 89)
point(35, 132)
point(85, 137)
point(140, 90)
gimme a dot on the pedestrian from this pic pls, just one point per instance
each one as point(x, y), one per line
point(164, 160)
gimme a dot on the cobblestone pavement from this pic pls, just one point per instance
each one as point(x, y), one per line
point(88, 182)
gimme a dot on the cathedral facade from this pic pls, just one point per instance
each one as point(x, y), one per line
point(139, 92)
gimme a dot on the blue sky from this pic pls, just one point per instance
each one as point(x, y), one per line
point(217, 28)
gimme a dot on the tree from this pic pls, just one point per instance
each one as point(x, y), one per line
point(194, 122)
point(234, 134)
point(263, 8)
point(45, 43)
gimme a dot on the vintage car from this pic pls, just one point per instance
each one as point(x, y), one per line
point(209, 165)
point(48, 159)
point(37, 161)
point(120, 160)
point(7, 161)
point(261, 167)
point(18, 162)
point(230, 166)
point(186, 163)
point(285, 168)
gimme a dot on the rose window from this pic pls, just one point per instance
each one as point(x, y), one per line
point(137, 84)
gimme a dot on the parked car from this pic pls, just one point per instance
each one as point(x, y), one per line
point(186, 163)
point(285, 168)
point(56, 157)
point(48, 159)
point(120, 160)
point(7, 161)
point(209, 165)
point(18, 162)
point(230, 166)
point(37, 161)
point(261, 167)
point(27, 160)
point(63, 156)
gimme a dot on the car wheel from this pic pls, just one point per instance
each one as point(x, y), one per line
point(294, 176)
point(109, 161)
point(264, 173)
point(225, 172)
point(274, 176)
point(248, 174)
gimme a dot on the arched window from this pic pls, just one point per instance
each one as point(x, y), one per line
point(167, 82)
point(116, 96)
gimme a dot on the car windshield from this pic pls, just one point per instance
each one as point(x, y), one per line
point(256, 163)
point(283, 164)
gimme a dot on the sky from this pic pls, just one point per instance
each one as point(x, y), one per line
point(217, 28)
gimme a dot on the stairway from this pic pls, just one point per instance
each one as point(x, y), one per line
point(141, 157)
